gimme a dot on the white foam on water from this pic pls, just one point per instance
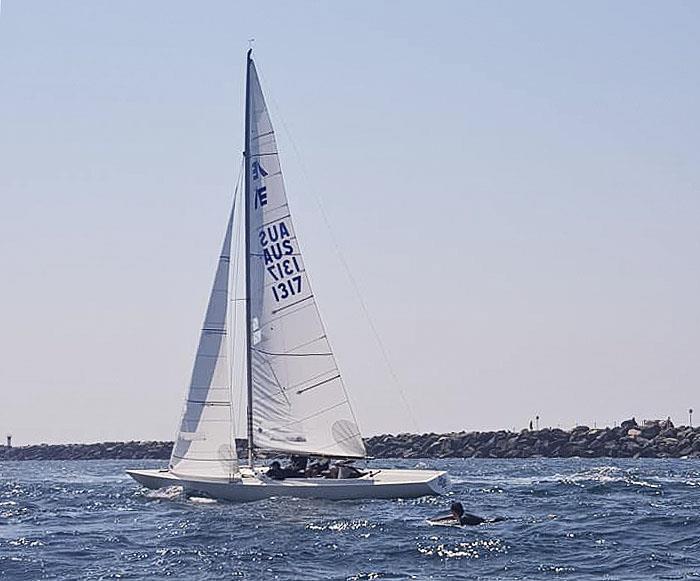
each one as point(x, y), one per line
point(202, 500)
point(167, 493)
point(341, 526)
point(606, 475)
point(470, 550)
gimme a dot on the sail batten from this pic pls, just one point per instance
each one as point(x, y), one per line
point(298, 400)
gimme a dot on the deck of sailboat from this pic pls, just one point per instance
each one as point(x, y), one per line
point(249, 486)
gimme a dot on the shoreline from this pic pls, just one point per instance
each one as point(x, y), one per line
point(656, 439)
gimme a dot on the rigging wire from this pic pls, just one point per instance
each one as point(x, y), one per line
point(346, 267)
point(233, 309)
point(231, 329)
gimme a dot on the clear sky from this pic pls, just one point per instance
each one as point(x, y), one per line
point(515, 187)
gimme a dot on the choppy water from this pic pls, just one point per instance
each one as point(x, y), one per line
point(568, 519)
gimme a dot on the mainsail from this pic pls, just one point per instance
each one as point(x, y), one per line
point(205, 442)
point(299, 402)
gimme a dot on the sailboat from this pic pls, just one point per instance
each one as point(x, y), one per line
point(297, 403)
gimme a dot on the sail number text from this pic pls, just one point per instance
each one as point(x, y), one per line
point(280, 261)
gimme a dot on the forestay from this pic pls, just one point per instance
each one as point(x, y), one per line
point(205, 443)
point(299, 400)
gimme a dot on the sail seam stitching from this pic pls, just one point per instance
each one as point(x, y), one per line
point(323, 411)
point(275, 311)
point(266, 224)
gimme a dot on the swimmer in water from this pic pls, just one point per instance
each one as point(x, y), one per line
point(459, 517)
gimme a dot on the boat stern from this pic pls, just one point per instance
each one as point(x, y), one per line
point(440, 483)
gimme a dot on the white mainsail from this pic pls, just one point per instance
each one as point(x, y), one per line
point(205, 445)
point(299, 399)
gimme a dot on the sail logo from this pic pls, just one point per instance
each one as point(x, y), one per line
point(280, 261)
point(258, 172)
point(260, 197)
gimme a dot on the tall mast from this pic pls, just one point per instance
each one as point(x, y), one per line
point(246, 230)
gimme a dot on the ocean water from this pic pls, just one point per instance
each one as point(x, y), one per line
point(567, 519)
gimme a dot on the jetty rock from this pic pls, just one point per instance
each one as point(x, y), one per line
point(133, 450)
point(652, 439)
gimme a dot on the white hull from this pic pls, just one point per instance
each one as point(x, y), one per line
point(389, 483)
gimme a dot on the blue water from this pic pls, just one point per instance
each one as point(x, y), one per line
point(568, 519)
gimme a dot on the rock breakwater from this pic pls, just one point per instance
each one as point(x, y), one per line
point(99, 451)
point(656, 439)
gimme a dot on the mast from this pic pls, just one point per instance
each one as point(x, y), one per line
point(246, 229)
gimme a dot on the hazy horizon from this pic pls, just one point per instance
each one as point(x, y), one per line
point(515, 188)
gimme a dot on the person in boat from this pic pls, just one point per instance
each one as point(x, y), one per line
point(344, 470)
point(459, 517)
point(275, 471)
point(317, 468)
point(297, 467)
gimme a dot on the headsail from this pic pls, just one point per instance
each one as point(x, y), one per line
point(299, 400)
point(205, 445)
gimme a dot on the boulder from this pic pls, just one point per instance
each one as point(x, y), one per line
point(628, 424)
point(650, 431)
